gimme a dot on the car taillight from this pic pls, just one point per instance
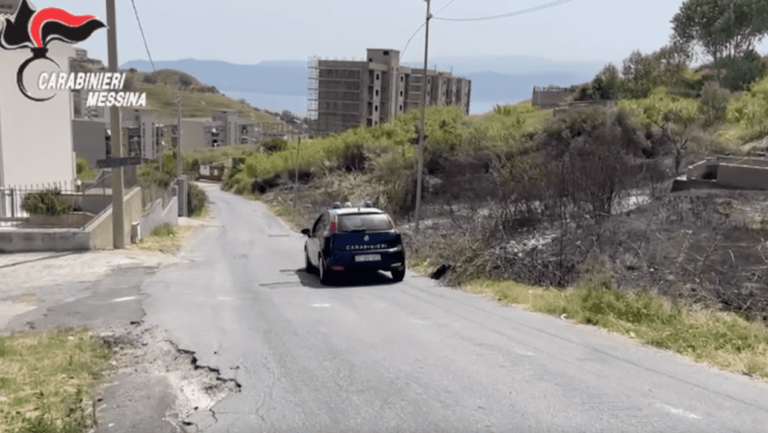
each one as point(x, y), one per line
point(391, 224)
point(333, 226)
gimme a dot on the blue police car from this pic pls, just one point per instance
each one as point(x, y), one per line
point(353, 238)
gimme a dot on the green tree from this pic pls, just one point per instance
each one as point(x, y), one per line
point(673, 115)
point(742, 71)
point(722, 28)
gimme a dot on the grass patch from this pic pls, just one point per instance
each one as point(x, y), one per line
point(724, 340)
point(45, 381)
point(165, 239)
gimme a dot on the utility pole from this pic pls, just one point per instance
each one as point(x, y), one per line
point(179, 164)
point(421, 122)
point(116, 141)
point(296, 187)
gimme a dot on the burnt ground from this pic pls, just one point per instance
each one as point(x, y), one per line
point(698, 247)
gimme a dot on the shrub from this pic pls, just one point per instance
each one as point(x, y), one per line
point(48, 203)
point(196, 200)
point(713, 103)
point(82, 165)
point(275, 144)
point(150, 78)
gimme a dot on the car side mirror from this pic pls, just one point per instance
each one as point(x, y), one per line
point(305, 232)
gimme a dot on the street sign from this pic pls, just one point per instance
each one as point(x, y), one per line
point(118, 162)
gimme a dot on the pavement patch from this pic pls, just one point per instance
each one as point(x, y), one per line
point(677, 411)
point(185, 391)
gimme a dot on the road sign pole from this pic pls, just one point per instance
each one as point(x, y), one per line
point(116, 140)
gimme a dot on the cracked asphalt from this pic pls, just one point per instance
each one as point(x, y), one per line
point(235, 337)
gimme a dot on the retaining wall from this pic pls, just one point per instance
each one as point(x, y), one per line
point(95, 235)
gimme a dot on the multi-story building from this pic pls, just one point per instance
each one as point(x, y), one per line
point(348, 93)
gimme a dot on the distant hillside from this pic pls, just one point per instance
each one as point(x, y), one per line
point(165, 86)
point(282, 85)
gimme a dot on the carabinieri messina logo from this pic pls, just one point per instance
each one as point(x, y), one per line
point(35, 29)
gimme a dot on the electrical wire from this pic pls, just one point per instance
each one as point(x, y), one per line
point(507, 15)
point(421, 27)
point(138, 20)
point(443, 8)
point(411, 38)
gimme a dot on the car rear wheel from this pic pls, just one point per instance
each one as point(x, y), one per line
point(308, 266)
point(398, 275)
point(325, 274)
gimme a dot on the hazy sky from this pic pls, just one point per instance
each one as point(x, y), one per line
point(249, 31)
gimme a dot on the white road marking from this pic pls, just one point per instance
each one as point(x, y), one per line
point(224, 299)
point(321, 305)
point(419, 321)
point(524, 352)
point(677, 411)
point(124, 299)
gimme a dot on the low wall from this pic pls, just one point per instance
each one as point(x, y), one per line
point(158, 216)
point(743, 176)
point(95, 235)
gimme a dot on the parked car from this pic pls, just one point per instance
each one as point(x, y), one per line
point(353, 238)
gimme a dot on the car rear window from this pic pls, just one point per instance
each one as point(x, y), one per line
point(366, 222)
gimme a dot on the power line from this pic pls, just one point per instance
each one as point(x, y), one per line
point(138, 20)
point(507, 15)
point(443, 8)
point(409, 39)
point(421, 27)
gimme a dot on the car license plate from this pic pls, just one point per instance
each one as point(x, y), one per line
point(368, 258)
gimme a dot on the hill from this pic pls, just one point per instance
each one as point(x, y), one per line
point(165, 86)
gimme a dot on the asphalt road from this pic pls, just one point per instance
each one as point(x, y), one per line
point(373, 356)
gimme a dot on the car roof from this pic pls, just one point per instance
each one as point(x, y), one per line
point(356, 210)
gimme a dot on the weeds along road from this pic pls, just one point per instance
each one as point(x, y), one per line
point(412, 357)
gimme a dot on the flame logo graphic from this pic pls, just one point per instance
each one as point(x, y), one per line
point(34, 30)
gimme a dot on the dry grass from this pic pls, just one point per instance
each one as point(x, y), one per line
point(49, 376)
point(724, 340)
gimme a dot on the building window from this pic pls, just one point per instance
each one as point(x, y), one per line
point(386, 53)
point(377, 92)
point(376, 108)
point(401, 107)
point(402, 78)
point(401, 93)
point(377, 76)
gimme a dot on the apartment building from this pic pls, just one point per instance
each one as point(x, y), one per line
point(349, 93)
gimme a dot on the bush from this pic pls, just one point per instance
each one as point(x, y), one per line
point(713, 103)
point(196, 200)
point(82, 165)
point(48, 203)
point(150, 78)
point(275, 144)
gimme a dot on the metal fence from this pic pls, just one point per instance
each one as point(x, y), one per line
point(12, 198)
point(103, 181)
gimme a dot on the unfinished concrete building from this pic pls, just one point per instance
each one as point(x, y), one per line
point(349, 93)
point(725, 172)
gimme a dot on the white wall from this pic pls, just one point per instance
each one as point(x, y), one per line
point(35, 137)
